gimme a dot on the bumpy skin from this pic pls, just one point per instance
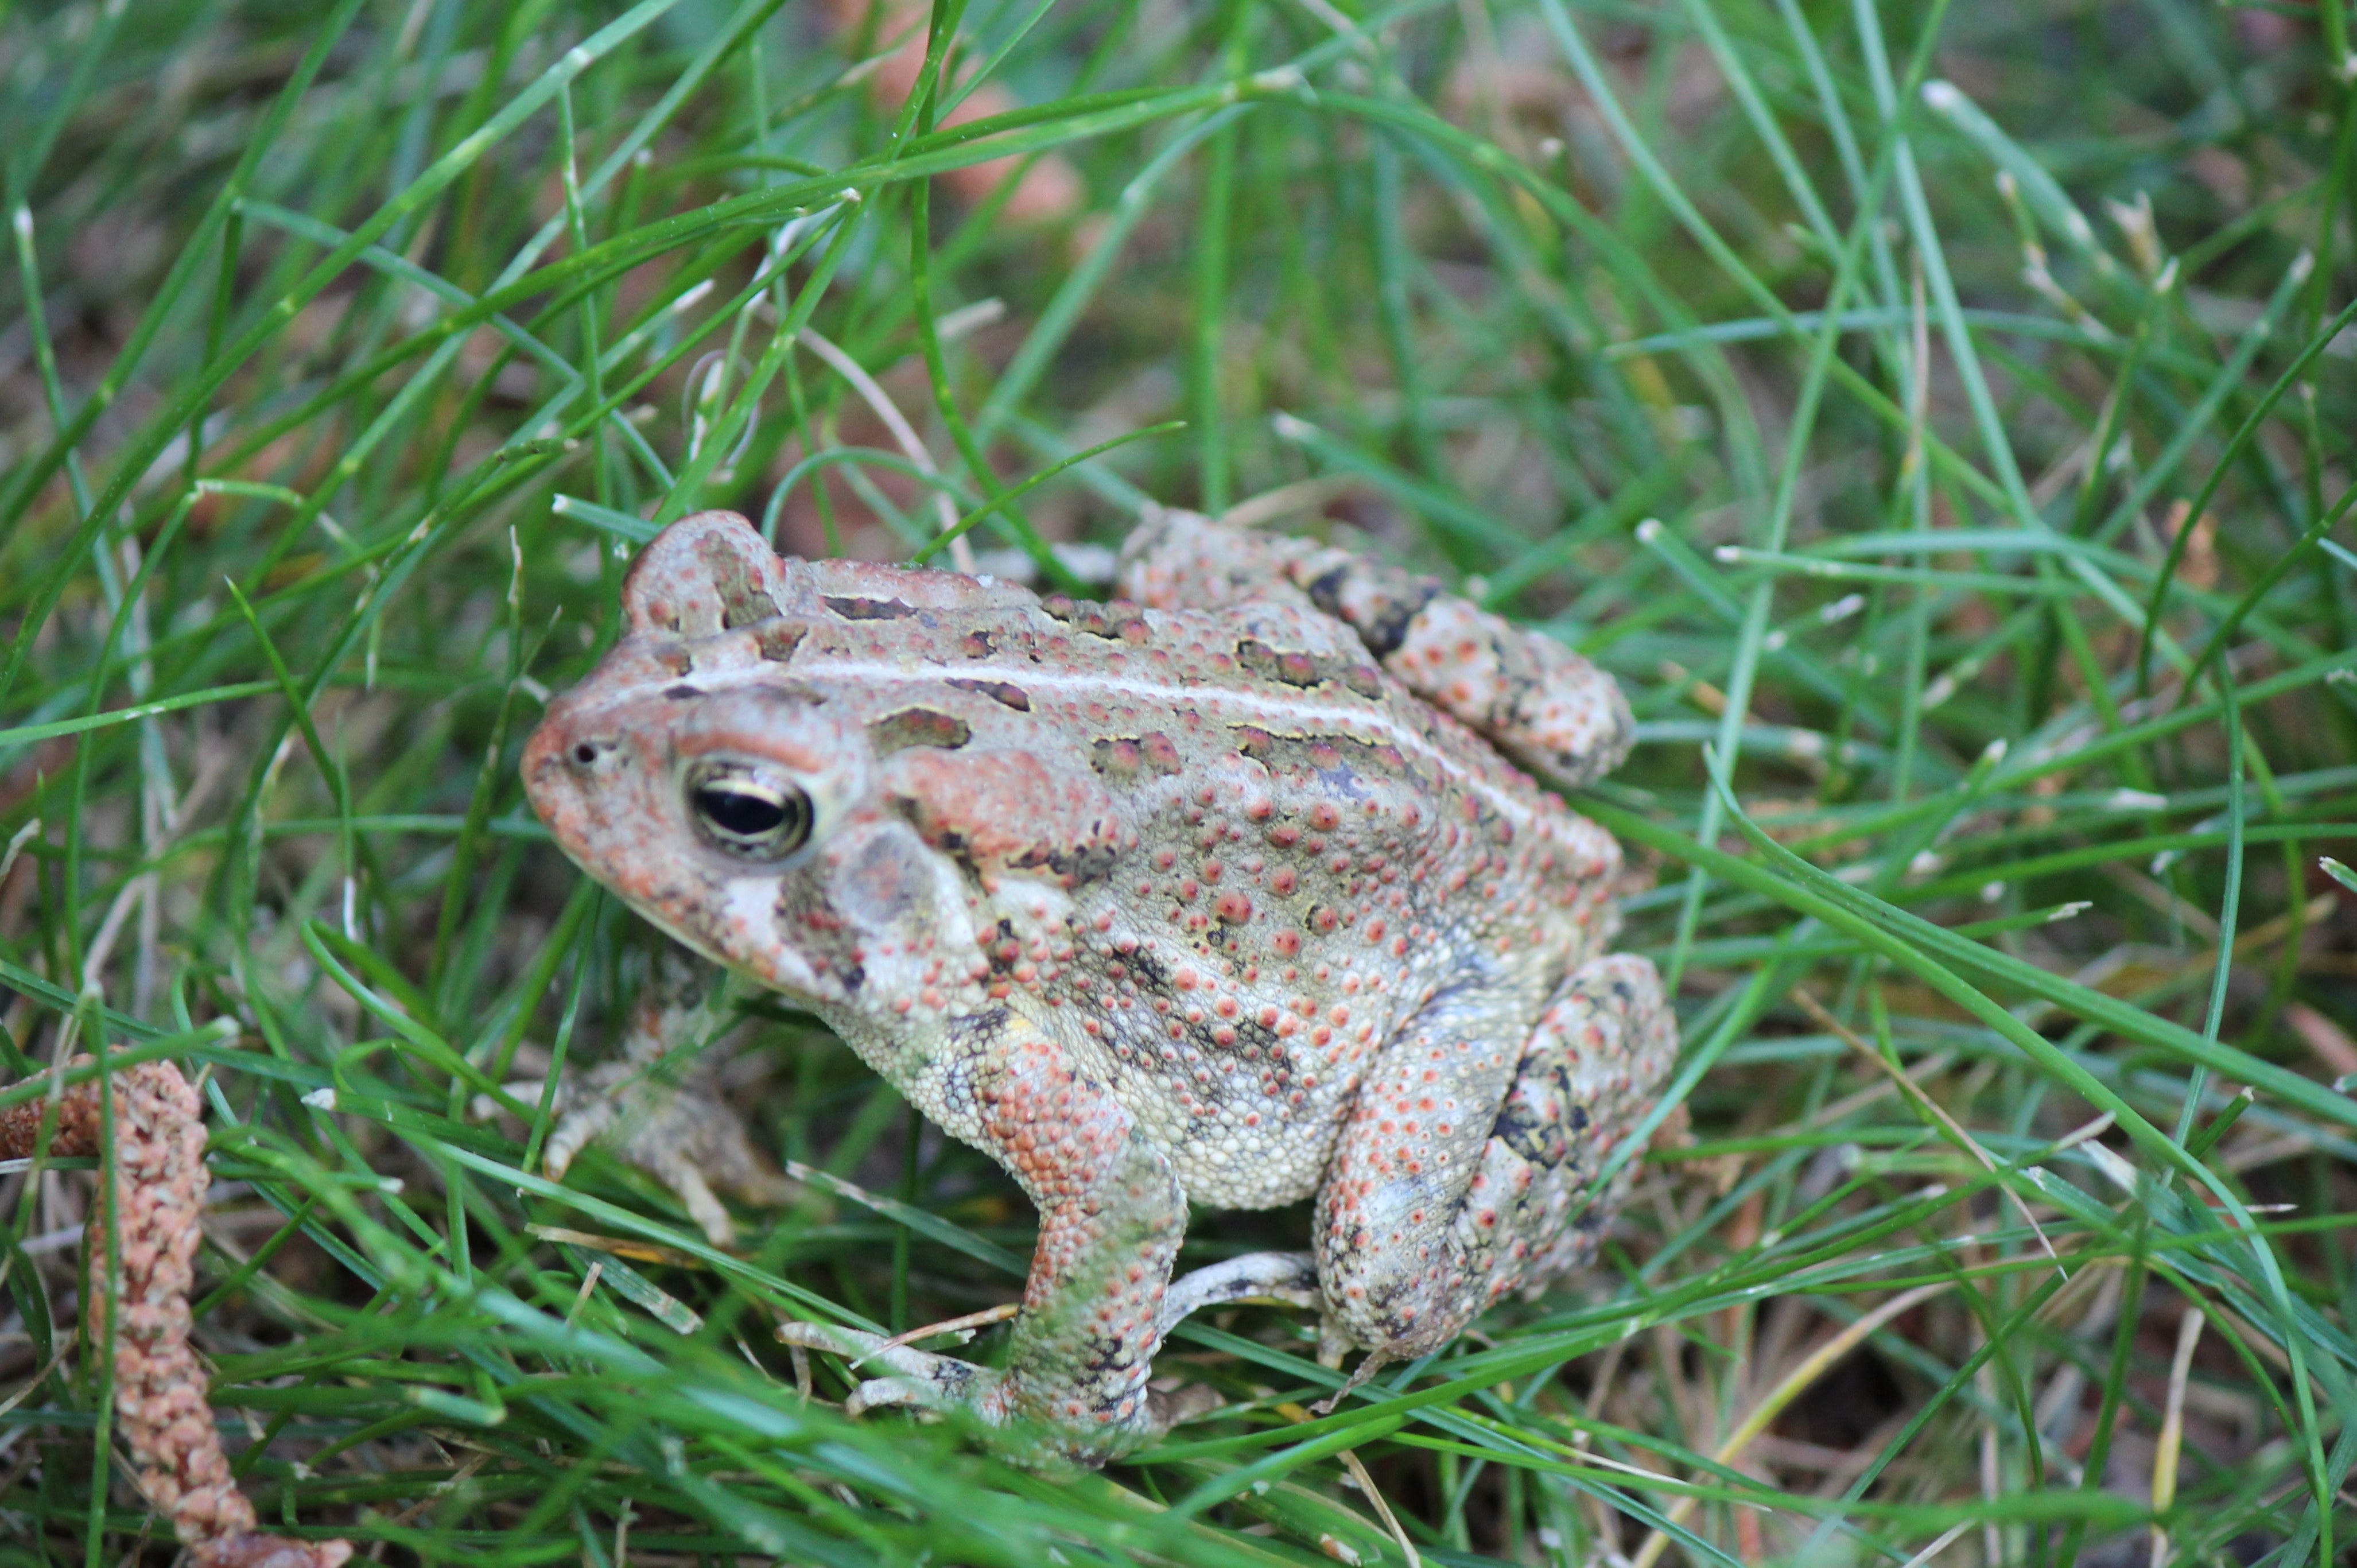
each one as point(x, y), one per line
point(1225, 897)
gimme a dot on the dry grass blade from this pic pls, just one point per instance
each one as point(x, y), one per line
point(1932, 1108)
point(2173, 1427)
point(1789, 1387)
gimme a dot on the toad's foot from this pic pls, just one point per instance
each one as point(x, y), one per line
point(922, 1379)
point(663, 1107)
point(686, 1134)
point(917, 1378)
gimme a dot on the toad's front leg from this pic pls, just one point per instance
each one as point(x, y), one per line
point(668, 1117)
point(1111, 1217)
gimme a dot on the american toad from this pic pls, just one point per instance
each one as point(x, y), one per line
point(1228, 893)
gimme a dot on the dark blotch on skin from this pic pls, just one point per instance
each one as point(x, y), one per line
point(1401, 599)
point(918, 726)
point(1326, 590)
point(786, 694)
point(868, 609)
point(1255, 1042)
point(1120, 757)
point(1292, 668)
point(1116, 620)
point(1319, 754)
point(1384, 635)
point(1090, 865)
point(1004, 693)
point(1145, 969)
point(826, 940)
point(1075, 866)
point(1003, 951)
point(682, 694)
point(1542, 1142)
point(777, 639)
point(743, 600)
point(979, 1028)
point(973, 1036)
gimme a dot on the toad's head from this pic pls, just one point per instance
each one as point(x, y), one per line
point(739, 807)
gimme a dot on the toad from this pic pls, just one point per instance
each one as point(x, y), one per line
point(1232, 891)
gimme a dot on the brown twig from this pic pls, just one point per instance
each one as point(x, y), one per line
point(983, 1319)
point(159, 1388)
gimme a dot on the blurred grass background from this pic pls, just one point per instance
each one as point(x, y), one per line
point(1938, 417)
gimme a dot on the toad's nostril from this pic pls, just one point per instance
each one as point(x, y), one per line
point(584, 753)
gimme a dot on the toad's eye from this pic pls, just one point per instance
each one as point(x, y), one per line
point(751, 812)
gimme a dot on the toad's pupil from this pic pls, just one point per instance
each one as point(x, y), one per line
point(746, 812)
point(740, 812)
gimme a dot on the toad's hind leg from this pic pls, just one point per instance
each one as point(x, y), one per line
point(1545, 706)
point(1407, 1262)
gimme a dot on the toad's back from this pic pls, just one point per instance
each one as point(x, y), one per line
point(1305, 851)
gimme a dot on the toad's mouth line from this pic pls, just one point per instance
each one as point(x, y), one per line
point(1278, 710)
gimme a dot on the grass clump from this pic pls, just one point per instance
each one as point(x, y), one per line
point(1938, 417)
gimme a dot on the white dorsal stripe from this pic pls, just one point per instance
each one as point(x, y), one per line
point(1075, 685)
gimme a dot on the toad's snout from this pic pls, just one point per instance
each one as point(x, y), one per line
point(570, 766)
point(550, 783)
